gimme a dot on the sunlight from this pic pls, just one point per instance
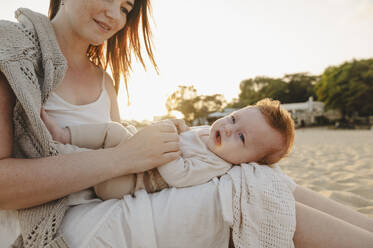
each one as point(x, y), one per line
point(215, 44)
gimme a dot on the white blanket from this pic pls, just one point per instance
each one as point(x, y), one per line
point(254, 200)
point(263, 207)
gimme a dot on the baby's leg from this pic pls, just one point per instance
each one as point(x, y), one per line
point(116, 188)
point(119, 186)
point(115, 134)
point(317, 201)
point(99, 135)
point(318, 229)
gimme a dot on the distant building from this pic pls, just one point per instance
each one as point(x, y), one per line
point(216, 115)
point(305, 113)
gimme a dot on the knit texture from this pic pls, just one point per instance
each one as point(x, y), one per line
point(33, 63)
point(263, 208)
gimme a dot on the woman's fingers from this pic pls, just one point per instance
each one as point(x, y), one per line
point(171, 147)
point(166, 126)
point(172, 125)
point(170, 156)
point(152, 146)
point(170, 137)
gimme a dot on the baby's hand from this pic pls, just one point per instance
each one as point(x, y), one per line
point(180, 125)
point(58, 134)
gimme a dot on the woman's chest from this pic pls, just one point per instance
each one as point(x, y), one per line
point(80, 88)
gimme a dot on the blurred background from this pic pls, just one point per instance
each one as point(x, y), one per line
point(217, 54)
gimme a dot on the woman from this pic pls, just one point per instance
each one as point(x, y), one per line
point(28, 76)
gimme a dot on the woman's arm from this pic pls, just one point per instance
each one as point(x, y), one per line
point(30, 182)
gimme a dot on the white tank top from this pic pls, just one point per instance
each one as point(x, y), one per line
point(67, 114)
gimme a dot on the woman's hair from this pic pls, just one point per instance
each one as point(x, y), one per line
point(117, 51)
point(279, 119)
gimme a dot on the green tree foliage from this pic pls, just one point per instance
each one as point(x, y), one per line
point(291, 88)
point(348, 87)
point(300, 86)
point(182, 100)
point(193, 106)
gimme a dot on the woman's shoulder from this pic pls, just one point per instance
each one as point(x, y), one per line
point(109, 83)
point(14, 36)
point(11, 30)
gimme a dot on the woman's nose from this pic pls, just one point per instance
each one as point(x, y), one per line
point(113, 11)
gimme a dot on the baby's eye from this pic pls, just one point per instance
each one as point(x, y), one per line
point(233, 119)
point(242, 137)
point(124, 10)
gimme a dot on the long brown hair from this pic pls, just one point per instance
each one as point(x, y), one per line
point(118, 50)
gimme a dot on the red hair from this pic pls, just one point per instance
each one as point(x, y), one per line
point(280, 120)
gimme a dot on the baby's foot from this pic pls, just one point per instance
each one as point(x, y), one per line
point(58, 134)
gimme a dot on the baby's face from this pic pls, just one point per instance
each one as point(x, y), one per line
point(243, 136)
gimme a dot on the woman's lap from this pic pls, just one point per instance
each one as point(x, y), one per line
point(186, 217)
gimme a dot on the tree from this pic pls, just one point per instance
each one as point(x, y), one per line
point(291, 88)
point(193, 106)
point(253, 90)
point(182, 100)
point(300, 87)
point(348, 87)
point(206, 104)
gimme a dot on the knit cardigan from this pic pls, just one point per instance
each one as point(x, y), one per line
point(33, 64)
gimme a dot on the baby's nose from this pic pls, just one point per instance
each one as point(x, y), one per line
point(228, 131)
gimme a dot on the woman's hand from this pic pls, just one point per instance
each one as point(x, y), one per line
point(58, 134)
point(152, 146)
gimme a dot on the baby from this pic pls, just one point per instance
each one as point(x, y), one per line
point(261, 133)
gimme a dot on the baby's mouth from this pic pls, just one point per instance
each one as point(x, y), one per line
point(217, 138)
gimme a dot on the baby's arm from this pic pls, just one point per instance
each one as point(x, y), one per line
point(184, 172)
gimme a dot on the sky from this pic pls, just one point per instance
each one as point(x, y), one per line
point(215, 44)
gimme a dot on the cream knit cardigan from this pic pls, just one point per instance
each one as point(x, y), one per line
point(33, 63)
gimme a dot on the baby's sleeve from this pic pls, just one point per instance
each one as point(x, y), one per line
point(184, 172)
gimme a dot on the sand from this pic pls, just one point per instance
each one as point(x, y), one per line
point(336, 163)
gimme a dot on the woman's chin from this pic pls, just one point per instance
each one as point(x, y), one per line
point(96, 43)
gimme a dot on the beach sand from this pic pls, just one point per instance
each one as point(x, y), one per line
point(336, 163)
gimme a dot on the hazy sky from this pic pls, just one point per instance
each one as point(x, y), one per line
point(214, 44)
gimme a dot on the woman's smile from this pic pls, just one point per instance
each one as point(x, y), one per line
point(102, 25)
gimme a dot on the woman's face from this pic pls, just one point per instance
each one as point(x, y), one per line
point(96, 20)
